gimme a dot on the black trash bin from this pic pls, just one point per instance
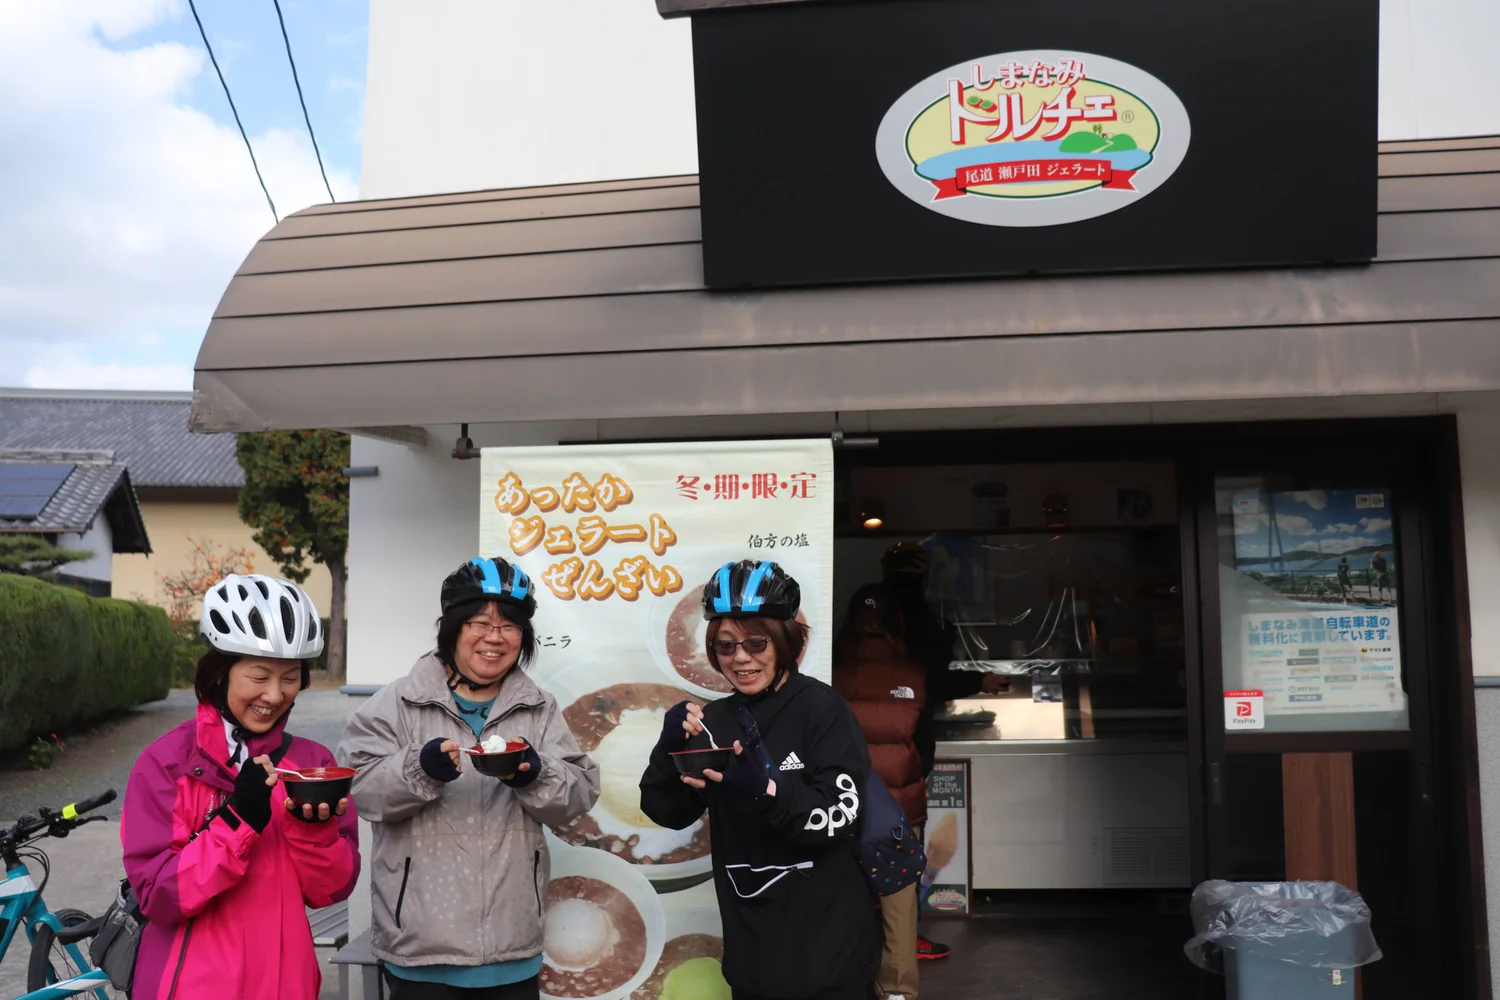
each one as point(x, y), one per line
point(1282, 940)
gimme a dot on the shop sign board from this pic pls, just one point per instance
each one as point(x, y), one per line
point(947, 886)
point(894, 139)
point(1035, 138)
point(1315, 603)
point(619, 540)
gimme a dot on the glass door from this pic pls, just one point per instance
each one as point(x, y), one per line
point(1315, 649)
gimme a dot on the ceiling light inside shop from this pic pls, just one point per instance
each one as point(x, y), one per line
point(872, 513)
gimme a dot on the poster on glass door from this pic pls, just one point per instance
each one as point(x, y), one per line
point(620, 540)
point(1316, 591)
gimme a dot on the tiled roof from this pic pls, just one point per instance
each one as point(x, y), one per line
point(92, 488)
point(148, 432)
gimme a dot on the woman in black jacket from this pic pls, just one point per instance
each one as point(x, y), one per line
point(797, 913)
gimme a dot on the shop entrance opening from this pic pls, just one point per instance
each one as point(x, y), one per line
point(1046, 602)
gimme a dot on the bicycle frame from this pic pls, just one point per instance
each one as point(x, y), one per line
point(21, 906)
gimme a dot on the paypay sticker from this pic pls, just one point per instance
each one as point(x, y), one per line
point(1244, 710)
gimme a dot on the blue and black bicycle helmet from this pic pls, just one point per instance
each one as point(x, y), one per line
point(751, 589)
point(482, 579)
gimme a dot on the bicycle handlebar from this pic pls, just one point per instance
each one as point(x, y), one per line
point(103, 799)
point(60, 821)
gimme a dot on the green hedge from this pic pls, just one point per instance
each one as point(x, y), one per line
point(66, 658)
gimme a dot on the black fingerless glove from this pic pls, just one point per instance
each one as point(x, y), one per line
point(673, 736)
point(523, 778)
point(438, 765)
point(749, 774)
point(251, 798)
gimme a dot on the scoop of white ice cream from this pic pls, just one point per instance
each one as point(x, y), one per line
point(578, 935)
point(497, 744)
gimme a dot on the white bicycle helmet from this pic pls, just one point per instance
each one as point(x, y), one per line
point(257, 615)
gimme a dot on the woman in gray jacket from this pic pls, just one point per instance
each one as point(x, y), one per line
point(460, 865)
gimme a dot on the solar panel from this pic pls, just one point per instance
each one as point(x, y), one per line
point(25, 490)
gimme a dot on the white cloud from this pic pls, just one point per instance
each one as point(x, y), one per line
point(1375, 525)
point(1295, 524)
point(1316, 499)
point(1340, 529)
point(72, 372)
point(130, 209)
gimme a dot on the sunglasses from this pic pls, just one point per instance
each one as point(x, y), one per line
point(754, 645)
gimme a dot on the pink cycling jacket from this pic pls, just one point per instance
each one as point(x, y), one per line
point(225, 910)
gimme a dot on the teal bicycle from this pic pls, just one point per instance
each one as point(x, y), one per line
point(57, 967)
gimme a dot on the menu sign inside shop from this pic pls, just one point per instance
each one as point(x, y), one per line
point(947, 138)
point(620, 540)
point(946, 888)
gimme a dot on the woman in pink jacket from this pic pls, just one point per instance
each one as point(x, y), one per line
point(223, 875)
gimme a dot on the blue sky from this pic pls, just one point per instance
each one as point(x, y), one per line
point(328, 40)
point(128, 197)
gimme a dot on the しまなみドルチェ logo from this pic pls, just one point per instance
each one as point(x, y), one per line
point(1034, 138)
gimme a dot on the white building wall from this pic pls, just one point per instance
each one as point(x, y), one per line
point(1478, 443)
point(1438, 73)
point(97, 540)
point(469, 94)
point(464, 95)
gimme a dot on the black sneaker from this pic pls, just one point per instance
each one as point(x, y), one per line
point(928, 951)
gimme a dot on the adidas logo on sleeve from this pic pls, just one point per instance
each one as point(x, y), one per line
point(792, 762)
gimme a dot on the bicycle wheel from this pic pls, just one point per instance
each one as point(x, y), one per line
point(50, 961)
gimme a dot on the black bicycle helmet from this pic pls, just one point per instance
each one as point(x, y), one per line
point(751, 589)
point(489, 579)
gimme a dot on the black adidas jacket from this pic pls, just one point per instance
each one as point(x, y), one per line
point(798, 915)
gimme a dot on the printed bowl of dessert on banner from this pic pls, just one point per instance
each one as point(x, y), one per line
point(604, 930)
point(690, 967)
point(677, 634)
point(617, 725)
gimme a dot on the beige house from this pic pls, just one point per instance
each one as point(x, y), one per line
point(186, 483)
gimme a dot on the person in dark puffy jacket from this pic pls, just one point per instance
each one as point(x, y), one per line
point(929, 640)
point(887, 688)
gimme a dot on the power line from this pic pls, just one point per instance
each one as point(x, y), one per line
point(194, 8)
point(305, 116)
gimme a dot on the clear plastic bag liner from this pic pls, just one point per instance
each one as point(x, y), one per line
point(1322, 925)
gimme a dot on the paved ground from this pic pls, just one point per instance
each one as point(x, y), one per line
point(86, 865)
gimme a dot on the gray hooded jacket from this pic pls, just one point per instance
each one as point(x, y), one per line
point(459, 873)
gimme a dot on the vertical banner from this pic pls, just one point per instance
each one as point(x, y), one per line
point(620, 540)
point(947, 841)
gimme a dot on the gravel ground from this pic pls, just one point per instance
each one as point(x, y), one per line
point(86, 865)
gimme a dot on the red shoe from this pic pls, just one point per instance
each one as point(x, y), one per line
point(928, 951)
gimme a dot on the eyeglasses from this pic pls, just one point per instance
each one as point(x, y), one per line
point(509, 630)
point(753, 645)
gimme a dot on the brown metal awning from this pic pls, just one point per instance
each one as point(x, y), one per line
point(587, 302)
point(679, 8)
